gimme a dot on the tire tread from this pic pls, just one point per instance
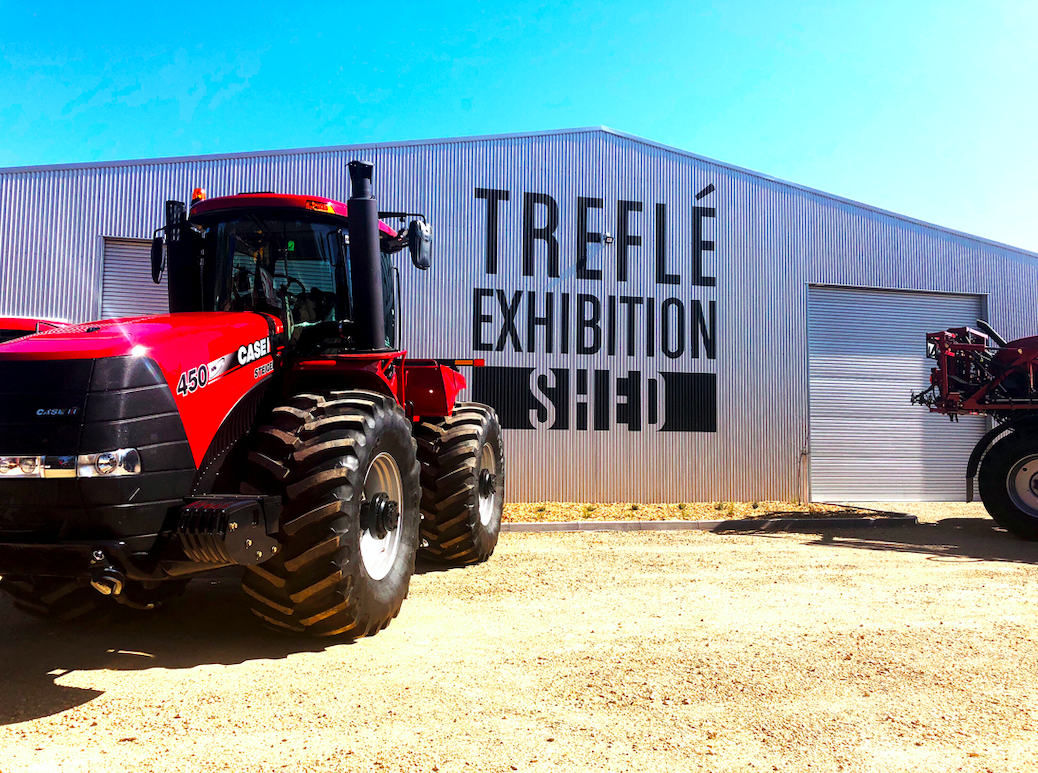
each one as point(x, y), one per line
point(448, 450)
point(318, 439)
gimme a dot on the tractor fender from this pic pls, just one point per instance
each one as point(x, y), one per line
point(1020, 423)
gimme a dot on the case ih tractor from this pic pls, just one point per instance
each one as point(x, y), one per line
point(977, 373)
point(16, 327)
point(271, 420)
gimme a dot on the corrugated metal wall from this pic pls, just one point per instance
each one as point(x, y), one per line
point(770, 241)
point(127, 289)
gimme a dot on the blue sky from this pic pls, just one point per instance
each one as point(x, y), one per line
point(925, 108)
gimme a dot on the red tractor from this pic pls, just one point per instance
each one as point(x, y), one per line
point(980, 373)
point(16, 327)
point(271, 420)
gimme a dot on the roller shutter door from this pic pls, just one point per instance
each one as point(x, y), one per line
point(867, 355)
point(127, 289)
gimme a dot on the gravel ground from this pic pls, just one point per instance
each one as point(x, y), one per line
point(893, 649)
point(540, 512)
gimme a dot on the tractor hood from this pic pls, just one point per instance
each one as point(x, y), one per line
point(162, 336)
point(208, 362)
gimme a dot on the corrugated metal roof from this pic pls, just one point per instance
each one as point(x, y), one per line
point(510, 136)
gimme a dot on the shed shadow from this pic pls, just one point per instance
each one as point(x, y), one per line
point(953, 538)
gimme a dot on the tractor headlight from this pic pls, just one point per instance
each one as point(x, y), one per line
point(105, 463)
point(125, 461)
point(21, 466)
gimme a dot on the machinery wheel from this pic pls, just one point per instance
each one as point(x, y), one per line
point(71, 599)
point(1009, 484)
point(463, 484)
point(344, 464)
point(53, 598)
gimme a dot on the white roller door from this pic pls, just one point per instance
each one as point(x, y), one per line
point(867, 355)
point(127, 289)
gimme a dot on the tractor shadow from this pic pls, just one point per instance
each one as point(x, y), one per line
point(209, 625)
point(970, 538)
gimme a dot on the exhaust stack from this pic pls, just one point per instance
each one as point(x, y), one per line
point(369, 331)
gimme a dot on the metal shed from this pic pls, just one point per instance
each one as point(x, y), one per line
point(657, 326)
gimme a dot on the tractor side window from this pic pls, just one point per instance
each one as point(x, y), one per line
point(389, 299)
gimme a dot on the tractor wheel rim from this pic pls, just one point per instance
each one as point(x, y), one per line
point(379, 555)
point(1022, 484)
point(487, 487)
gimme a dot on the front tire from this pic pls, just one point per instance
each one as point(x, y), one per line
point(1009, 484)
point(73, 600)
point(463, 484)
point(53, 598)
point(344, 464)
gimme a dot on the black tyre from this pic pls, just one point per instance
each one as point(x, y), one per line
point(1009, 484)
point(54, 598)
point(345, 466)
point(463, 484)
point(70, 599)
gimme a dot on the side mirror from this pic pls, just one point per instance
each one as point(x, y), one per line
point(158, 259)
point(419, 242)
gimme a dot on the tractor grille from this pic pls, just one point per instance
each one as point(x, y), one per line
point(71, 407)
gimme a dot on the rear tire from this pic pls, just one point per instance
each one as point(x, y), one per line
point(337, 460)
point(463, 484)
point(1009, 484)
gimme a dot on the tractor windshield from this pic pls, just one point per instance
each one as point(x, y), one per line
point(296, 269)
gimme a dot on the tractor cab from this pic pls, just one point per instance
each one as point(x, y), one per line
point(290, 257)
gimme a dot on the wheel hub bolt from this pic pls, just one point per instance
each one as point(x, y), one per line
point(380, 515)
point(487, 483)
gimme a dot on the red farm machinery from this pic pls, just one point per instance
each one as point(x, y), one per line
point(16, 327)
point(980, 373)
point(271, 420)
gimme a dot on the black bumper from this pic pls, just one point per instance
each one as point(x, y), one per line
point(72, 559)
point(210, 532)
